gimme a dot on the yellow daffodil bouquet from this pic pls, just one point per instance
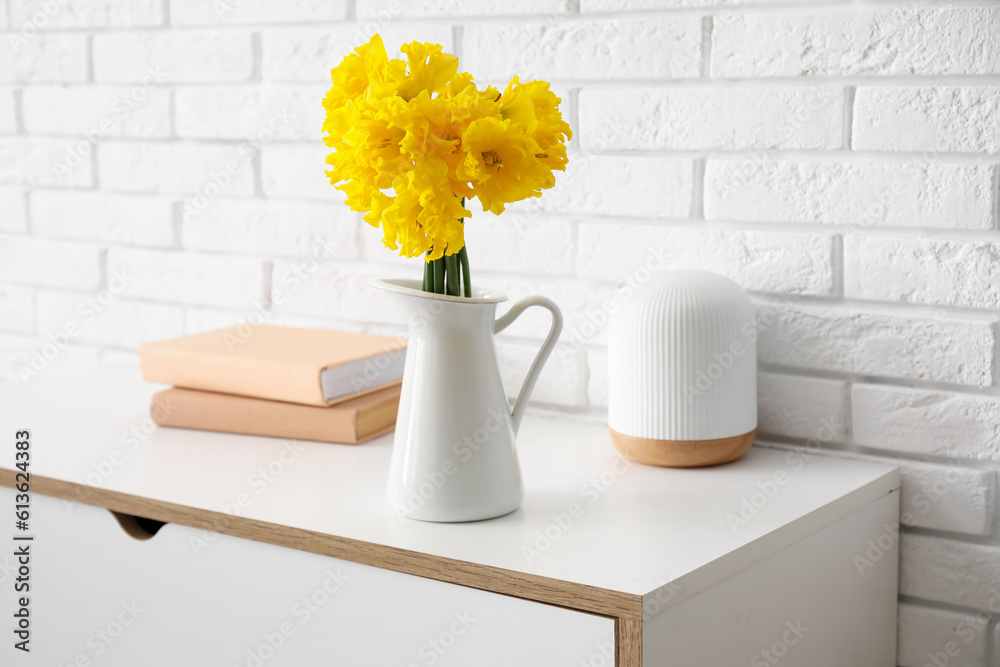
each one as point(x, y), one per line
point(413, 140)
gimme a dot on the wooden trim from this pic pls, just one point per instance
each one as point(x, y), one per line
point(628, 642)
point(577, 597)
point(682, 453)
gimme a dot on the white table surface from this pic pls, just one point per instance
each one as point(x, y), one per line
point(639, 530)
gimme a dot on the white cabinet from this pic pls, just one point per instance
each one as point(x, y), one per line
point(282, 553)
point(102, 596)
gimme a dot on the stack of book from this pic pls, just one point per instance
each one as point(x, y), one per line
point(286, 382)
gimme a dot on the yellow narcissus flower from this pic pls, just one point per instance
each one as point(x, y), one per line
point(502, 162)
point(536, 109)
point(422, 197)
point(430, 69)
point(412, 139)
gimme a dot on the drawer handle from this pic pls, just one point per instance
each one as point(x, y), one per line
point(138, 527)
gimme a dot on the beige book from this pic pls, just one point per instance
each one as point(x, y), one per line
point(292, 364)
point(350, 422)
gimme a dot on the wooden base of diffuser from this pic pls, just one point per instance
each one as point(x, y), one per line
point(682, 453)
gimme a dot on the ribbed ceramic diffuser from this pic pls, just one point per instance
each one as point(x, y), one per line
point(683, 371)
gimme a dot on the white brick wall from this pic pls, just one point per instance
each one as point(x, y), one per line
point(369, 9)
point(273, 227)
point(34, 260)
point(296, 171)
point(707, 118)
point(98, 111)
point(189, 56)
point(944, 570)
point(807, 408)
point(647, 187)
point(195, 12)
point(927, 422)
point(900, 344)
point(44, 161)
point(840, 160)
point(92, 14)
point(586, 50)
point(118, 324)
point(958, 640)
point(894, 194)
point(12, 203)
point(55, 58)
point(8, 111)
point(260, 113)
point(953, 119)
point(17, 308)
point(308, 54)
point(741, 255)
point(873, 42)
point(177, 168)
point(922, 270)
point(200, 279)
point(101, 216)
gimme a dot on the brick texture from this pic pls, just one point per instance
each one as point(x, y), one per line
point(704, 118)
point(960, 40)
point(177, 56)
point(586, 50)
point(937, 119)
point(931, 271)
point(908, 194)
point(922, 422)
point(960, 349)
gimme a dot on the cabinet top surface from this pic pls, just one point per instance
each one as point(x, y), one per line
point(589, 517)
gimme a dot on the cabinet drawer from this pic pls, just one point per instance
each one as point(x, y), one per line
point(186, 597)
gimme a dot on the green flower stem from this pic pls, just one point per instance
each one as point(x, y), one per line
point(428, 276)
point(453, 275)
point(463, 258)
point(439, 280)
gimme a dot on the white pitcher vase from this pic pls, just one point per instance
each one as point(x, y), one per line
point(454, 456)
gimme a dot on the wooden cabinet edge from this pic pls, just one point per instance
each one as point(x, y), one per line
point(576, 597)
point(628, 642)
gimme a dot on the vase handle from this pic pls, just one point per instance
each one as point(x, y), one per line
point(543, 354)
